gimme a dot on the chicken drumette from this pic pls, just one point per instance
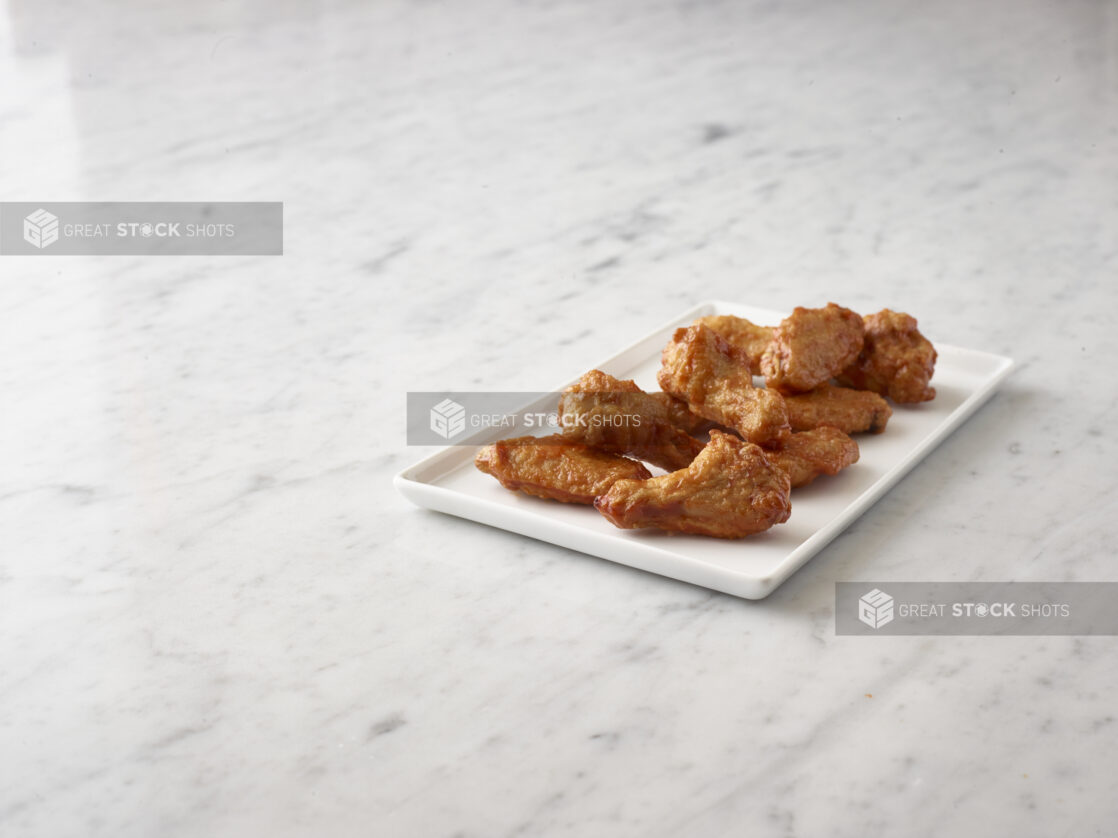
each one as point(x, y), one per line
point(811, 346)
point(851, 411)
point(680, 415)
point(556, 468)
point(731, 490)
point(809, 454)
point(747, 339)
point(896, 360)
point(699, 367)
point(619, 417)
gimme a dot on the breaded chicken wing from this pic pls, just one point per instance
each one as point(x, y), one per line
point(731, 490)
point(811, 346)
point(747, 339)
point(680, 415)
point(698, 367)
point(808, 454)
point(851, 411)
point(896, 360)
point(619, 417)
point(556, 468)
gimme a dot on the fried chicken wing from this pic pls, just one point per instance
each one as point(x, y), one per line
point(680, 415)
point(808, 454)
point(810, 347)
point(699, 367)
point(556, 468)
point(851, 411)
point(620, 418)
point(896, 360)
point(747, 339)
point(731, 490)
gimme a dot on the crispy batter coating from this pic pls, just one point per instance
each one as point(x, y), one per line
point(698, 367)
point(811, 346)
point(556, 468)
point(808, 454)
point(680, 415)
point(731, 490)
point(851, 411)
point(746, 338)
point(619, 417)
point(896, 360)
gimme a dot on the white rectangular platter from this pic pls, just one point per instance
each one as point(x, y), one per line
point(752, 567)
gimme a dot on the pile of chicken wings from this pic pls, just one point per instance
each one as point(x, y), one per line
point(732, 451)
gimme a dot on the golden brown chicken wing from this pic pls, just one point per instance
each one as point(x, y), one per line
point(851, 411)
point(731, 490)
point(808, 454)
point(556, 468)
point(810, 347)
point(747, 339)
point(698, 367)
point(896, 360)
point(680, 415)
point(619, 417)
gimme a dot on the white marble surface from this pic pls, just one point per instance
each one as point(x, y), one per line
point(216, 617)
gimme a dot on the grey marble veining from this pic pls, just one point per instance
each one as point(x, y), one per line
point(216, 617)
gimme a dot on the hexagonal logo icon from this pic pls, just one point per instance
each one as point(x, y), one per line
point(40, 228)
point(448, 419)
point(875, 609)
